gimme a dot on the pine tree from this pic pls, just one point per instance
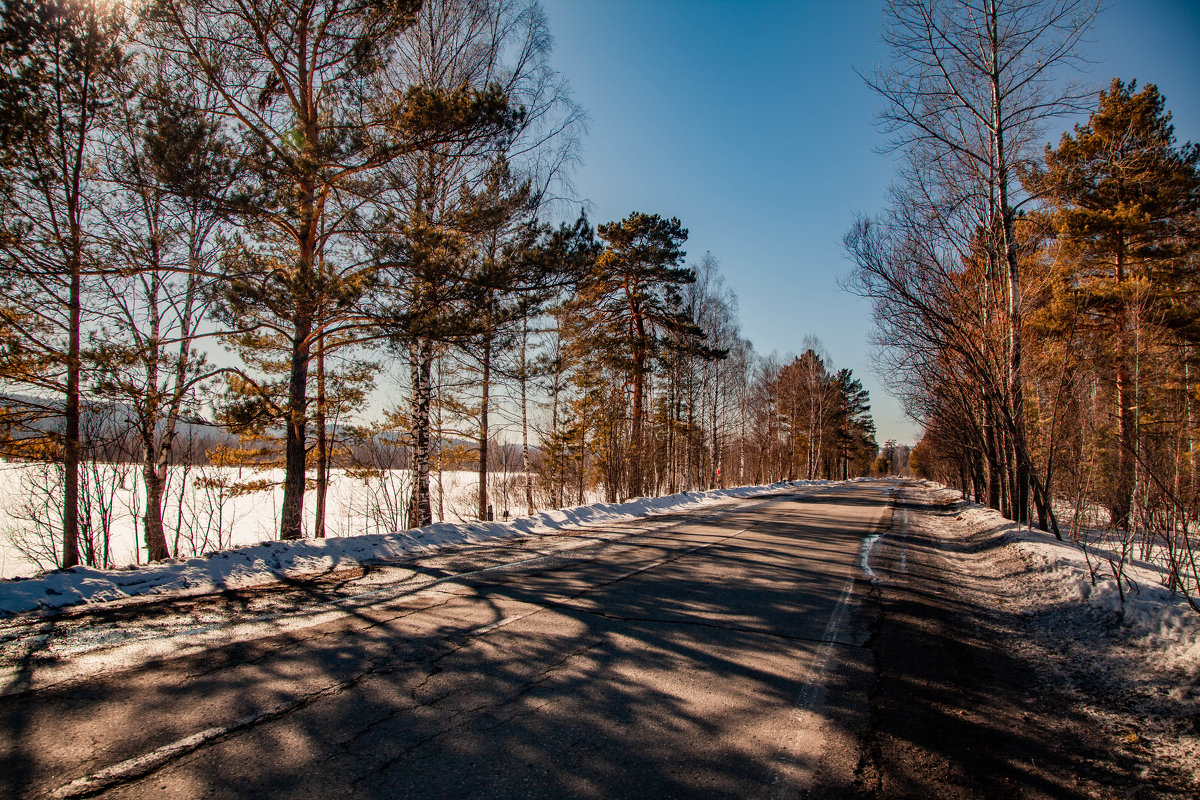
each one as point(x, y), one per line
point(498, 218)
point(854, 431)
point(1123, 200)
point(425, 234)
point(627, 303)
point(306, 88)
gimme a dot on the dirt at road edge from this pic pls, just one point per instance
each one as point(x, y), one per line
point(972, 697)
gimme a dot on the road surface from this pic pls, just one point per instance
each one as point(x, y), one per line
point(809, 644)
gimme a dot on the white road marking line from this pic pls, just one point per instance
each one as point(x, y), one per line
point(134, 767)
point(140, 766)
point(813, 692)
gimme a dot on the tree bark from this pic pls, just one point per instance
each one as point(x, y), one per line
point(1126, 443)
point(421, 364)
point(156, 541)
point(291, 524)
point(993, 457)
point(71, 444)
point(560, 450)
point(715, 473)
point(484, 399)
point(525, 417)
point(639, 388)
point(322, 443)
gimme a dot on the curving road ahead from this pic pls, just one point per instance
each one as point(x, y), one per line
point(716, 655)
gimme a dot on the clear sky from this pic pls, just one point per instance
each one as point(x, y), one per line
point(745, 119)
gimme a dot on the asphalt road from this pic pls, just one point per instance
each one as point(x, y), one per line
point(707, 656)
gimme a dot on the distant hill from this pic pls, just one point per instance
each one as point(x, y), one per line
point(108, 433)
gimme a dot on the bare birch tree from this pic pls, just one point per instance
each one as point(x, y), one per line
point(63, 78)
point(969, 88)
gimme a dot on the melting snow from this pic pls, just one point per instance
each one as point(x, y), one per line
point(1168, 626)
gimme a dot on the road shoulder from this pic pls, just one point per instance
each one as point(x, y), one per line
point(971, 697)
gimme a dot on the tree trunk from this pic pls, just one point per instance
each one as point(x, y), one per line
point(583, 460)
point(156, 540)
point(993, 458)
point(71, 444)
point(440, 463)
point(322, 443)
point(295, 451)
point(689, 453)
point(978, 475)
point(157, 453)
point(639, 388)
point(742, 439)
point(560, 454)
point(1193, 452)
point(715, 473)
point(421, 364)
point(635, 445)
point(1126, 444)
point(672, 427)
point(485, 397)
point(525, 418)
point(1016, 387)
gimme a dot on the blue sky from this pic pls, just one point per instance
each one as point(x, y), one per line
point(745, 119)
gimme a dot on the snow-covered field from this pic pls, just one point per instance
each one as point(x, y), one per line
point(267, 560)
point(207, 512)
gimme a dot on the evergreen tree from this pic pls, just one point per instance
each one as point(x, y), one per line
point(500, 223)
point(854, 430)
point(306, 87)
point(1123, 201)
point(628, 302)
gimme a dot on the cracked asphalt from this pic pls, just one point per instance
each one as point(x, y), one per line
point(718, 655)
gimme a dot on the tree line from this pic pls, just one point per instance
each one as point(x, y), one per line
point(277, 210)
point(1038, 303)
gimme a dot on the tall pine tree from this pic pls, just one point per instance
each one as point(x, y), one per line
point(1123, 200)
point(629, 301)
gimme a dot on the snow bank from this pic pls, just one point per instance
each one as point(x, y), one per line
point(1170, 629)
point(261, 563)
point(1169, 624)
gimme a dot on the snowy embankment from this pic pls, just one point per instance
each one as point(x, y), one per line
point(261, 563)
point(1063, 575)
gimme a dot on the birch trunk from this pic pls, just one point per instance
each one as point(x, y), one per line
point(421, 363)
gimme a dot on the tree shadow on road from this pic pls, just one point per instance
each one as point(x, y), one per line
point(669, 668)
